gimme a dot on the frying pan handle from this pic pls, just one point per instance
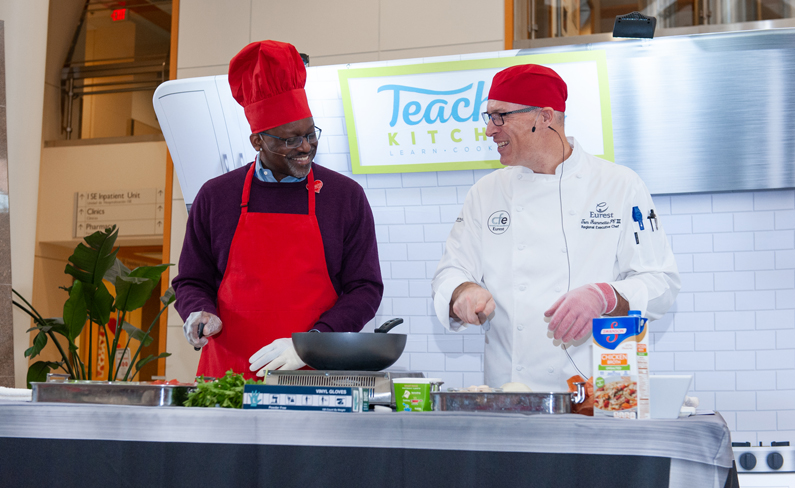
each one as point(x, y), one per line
point(389, 325)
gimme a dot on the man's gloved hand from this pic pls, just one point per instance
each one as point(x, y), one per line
point(472, 304)
point(279, 354)
point(212, 326)
point(573, 312)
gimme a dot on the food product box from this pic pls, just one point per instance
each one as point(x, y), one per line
point(621, 367)
point(414, 394)
point(313, 398)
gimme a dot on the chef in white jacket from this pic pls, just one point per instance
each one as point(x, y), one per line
point(549, 242)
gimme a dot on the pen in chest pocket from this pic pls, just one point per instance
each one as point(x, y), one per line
point(637, 216)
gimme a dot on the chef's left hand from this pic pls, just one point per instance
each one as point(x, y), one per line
point(573, 312)
point(279, 354)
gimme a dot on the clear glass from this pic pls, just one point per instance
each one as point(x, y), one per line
point(497, 117)
point(538, 19)
point(293, 142)
point(119, 56)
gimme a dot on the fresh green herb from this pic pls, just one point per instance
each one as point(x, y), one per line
point(224, 392)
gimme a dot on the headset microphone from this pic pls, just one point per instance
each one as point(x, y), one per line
point(280, 154)
point(534, 129)
point(263, 145)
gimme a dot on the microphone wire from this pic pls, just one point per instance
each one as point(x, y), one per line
point(565, 240)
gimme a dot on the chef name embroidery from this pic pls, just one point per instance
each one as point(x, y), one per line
point(600, 218)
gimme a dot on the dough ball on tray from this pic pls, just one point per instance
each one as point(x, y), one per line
point(516, 387)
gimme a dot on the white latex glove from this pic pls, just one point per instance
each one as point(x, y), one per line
point(212, 326)
point(573, 312)
point(279, 354)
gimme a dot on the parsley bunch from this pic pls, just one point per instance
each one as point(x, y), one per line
point(226, 392)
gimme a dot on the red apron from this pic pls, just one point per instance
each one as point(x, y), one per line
point(276, 283)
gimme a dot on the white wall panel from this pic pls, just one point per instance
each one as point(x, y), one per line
point(419, 23)
point(212, 32)
point(318, 27)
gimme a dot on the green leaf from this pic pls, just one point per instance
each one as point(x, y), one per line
point(151, 272)
point(168, 297)
point(132, 292)
point(38, 344)
point(43, 328)
point(57, 325)
point(148, 359)
point(117, 269)
point(90, 263)
point(224, 392)
point(137, 333)
point(74, 311)
point(100, 304)
point(38, 371)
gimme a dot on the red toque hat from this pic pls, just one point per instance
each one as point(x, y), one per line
point(530, 84)
point(267, 78)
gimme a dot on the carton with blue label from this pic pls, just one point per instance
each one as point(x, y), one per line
point(621, 367)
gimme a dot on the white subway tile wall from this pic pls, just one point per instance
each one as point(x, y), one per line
point(733, 324)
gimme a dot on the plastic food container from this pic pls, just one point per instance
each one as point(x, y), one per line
point(414, 394)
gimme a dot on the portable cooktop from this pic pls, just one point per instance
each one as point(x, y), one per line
point(379, 382)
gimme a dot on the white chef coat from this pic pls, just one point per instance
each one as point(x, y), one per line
point(509, 239)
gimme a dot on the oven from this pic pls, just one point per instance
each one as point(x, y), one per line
point(771, 466)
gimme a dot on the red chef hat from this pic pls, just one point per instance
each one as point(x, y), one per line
point(267, 78)
point(530, 84)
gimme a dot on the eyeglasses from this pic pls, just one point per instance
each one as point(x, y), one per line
point(293, 142)
point(497, 118)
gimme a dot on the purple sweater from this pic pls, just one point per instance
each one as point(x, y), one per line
point(346, 226)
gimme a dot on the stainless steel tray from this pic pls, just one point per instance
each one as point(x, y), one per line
point(113, 393)
point(509, 402)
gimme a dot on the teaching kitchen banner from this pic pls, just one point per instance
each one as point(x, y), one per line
point(426, 117)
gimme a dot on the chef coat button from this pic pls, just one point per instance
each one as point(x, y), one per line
point(519, 368)
point(550, 370)
point(557, 288)
point(518, 177)
point(563, 249)
point(571, 212)
point(518, 209)
point(521, 247)
point(579, 175)
point(522, 288)
point(520, 327)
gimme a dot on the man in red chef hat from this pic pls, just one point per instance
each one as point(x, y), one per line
point(281, 245)
point(548, 243)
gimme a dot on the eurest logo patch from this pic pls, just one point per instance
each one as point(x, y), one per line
point(499, 222)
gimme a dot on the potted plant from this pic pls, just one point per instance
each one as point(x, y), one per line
point(91, 303)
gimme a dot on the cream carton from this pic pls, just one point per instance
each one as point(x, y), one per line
point(621, 367)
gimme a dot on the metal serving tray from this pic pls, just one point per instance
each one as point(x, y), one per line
point(509, 402)
point(112, 393)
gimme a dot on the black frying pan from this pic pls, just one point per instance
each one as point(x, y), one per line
point(351, 351)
